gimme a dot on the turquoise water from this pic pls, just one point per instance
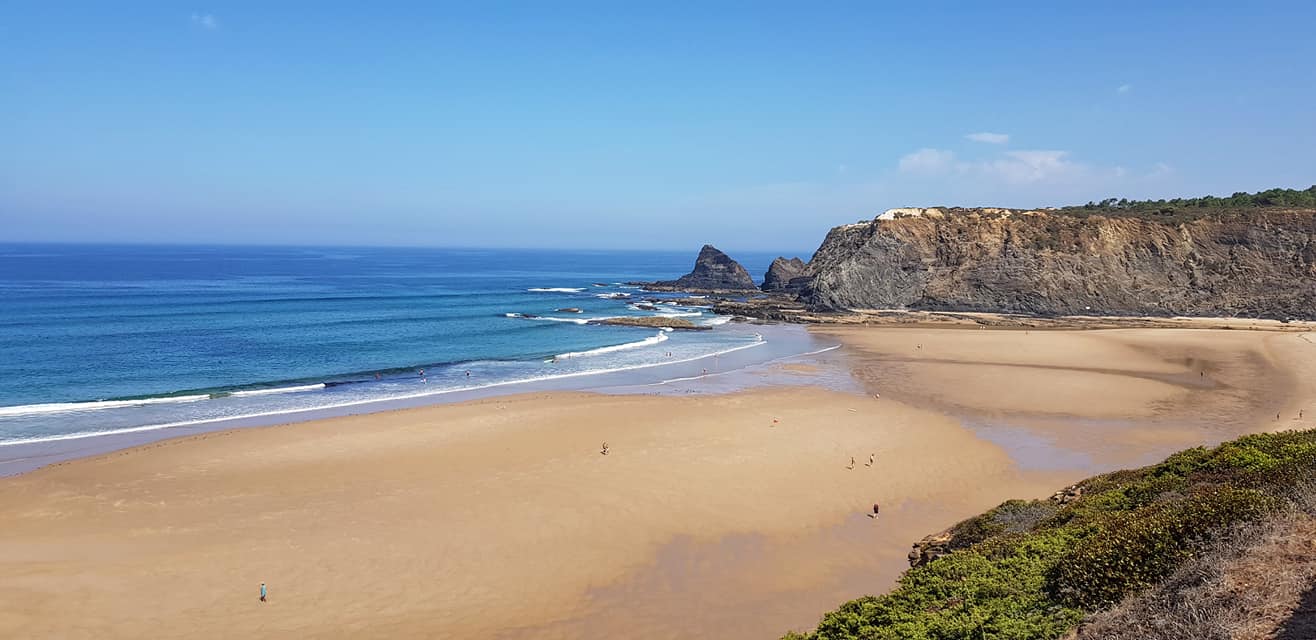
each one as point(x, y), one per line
point(112, 339)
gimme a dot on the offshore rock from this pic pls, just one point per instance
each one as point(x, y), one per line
point(714, 271)
point(1258, 263)
point(786, 275)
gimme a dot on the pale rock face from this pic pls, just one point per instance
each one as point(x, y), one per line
point(909, 212)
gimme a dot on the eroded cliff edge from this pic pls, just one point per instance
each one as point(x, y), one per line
point(1255, 264)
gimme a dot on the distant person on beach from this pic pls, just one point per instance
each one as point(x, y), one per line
point(851, 463)
point(262, 592)
point(604, 450)
point(872, 457)
point(876, 509)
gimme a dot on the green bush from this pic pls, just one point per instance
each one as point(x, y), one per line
point(1134, 550)
point(1012, 516)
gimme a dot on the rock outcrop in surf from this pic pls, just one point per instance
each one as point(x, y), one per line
point(713, 271)
point(786, 275)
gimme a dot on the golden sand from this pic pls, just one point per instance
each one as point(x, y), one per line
point(729, 516)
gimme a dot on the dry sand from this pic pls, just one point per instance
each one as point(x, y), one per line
point(500, 518)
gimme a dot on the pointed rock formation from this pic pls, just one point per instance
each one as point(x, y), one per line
point(714, 271)
point(786, 275)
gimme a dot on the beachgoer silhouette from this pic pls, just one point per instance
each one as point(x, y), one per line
point(604, 450)
point(851, 463)
point(421, 372)
point(876, 509)
point(872, 457)
point(262, 592)
point(468, 373)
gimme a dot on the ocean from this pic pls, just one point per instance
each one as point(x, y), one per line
point(103, 340)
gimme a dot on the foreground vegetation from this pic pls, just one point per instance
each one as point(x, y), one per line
point(1035, 569)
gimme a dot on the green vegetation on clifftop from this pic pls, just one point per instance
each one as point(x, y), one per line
point(1035, 569)
point(1176, 209)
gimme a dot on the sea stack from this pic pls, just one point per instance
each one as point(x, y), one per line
point(785, 275)
point(714, 271)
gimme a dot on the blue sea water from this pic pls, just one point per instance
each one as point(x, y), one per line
point(112, 339)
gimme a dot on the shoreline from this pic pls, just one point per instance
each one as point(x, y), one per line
point(784, 342)
point(724, 508)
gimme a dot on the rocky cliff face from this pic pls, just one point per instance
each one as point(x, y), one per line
point(785, 275)
point(1260, 263)
point(714, 271)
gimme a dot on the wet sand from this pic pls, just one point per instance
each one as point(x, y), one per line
point(500, 518)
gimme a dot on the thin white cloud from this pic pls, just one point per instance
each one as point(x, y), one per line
point(205, 21)
point(928, 161)
point(989, 138)
point(1015, 167)
point(1022, 167)
point(1124, 88)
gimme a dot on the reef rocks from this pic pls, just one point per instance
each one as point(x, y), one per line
point(656, 322)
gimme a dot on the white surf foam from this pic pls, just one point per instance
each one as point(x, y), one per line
point(266, 392)
point(716, 321)
point(647, 342)
point(553, 319)
point(556, 289)
point(91, 405)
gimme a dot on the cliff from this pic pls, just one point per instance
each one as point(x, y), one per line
point(785, 275)
point(1257, 263)
point(713, 271)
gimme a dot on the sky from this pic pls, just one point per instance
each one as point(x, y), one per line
point(750, 125)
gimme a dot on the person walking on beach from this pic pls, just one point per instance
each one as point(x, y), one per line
point(851, 463)
point(604, 450)
point(872, 457)
point(262, 592)
point(876, 509)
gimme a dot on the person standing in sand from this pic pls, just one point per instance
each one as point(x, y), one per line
point(262, 592)
point(872, 457)
point(851, 463)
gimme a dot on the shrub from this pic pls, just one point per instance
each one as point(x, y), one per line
point(1133, 550)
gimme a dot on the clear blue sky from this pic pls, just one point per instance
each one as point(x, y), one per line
point(751, 125)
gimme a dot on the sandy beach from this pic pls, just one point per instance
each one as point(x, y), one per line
point(712, 515)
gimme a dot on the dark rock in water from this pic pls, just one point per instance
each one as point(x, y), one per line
point(1253, 263)
point(569, 310)
point(714, 271)
point(646, 307)
point(785, 275)
point(656, 322)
